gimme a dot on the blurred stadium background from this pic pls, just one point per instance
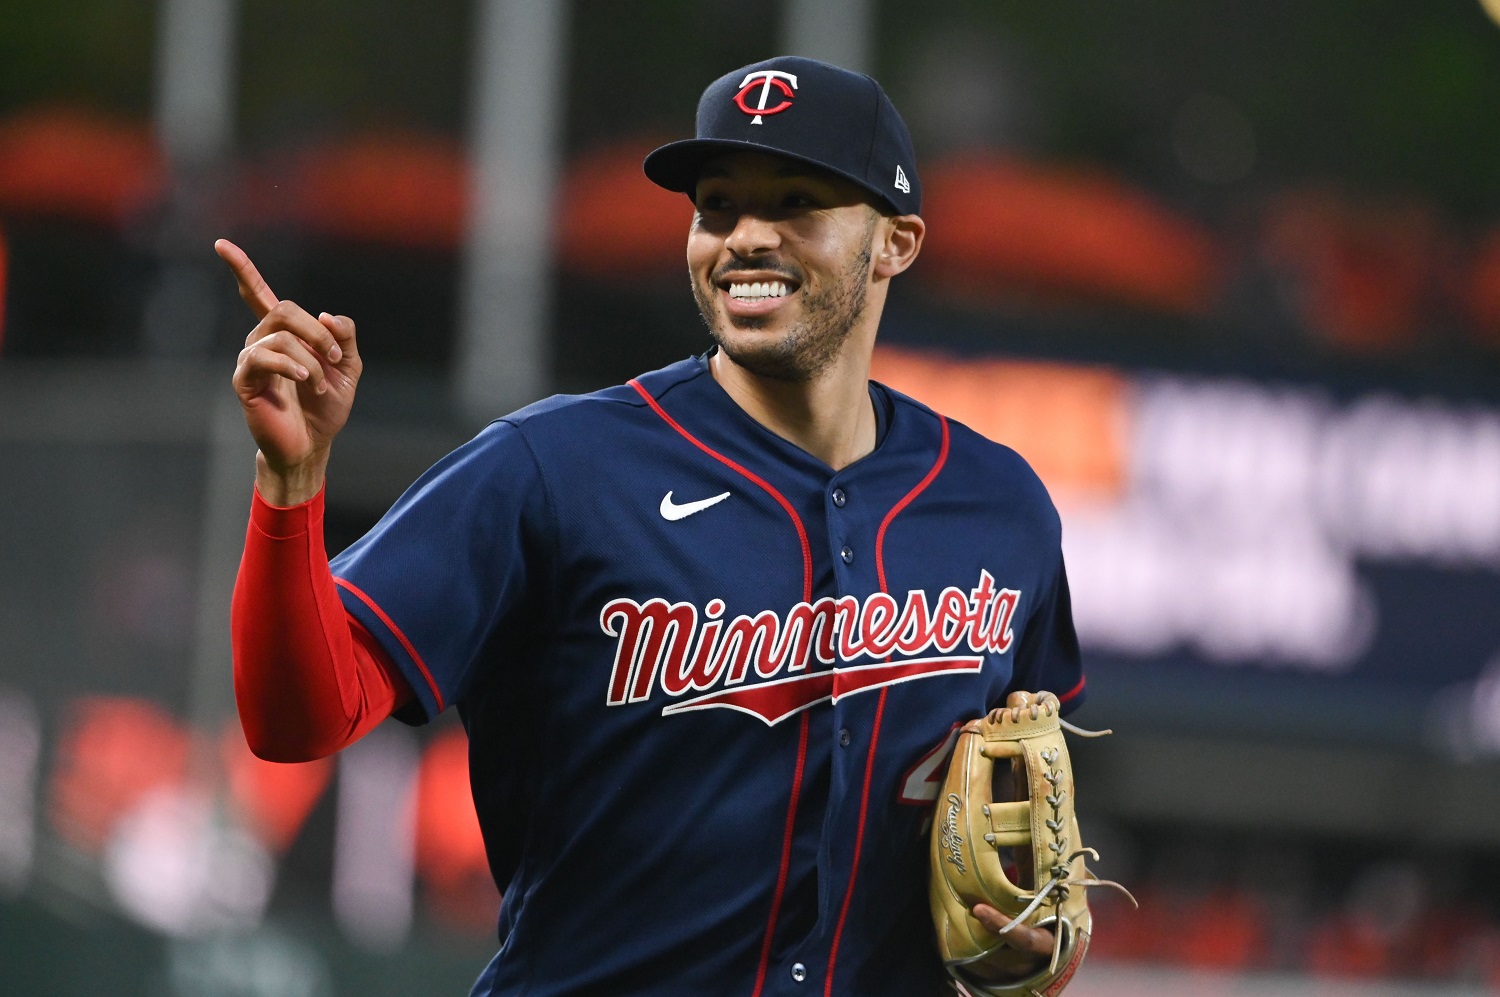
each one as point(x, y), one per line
point(1227, 274)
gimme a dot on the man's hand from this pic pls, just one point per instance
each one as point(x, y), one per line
point(295, 380)
point(1023, 937)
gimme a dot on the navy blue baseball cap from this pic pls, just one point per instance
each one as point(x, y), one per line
point(805, 110)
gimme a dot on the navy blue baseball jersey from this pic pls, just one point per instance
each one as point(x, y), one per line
point(709, 682)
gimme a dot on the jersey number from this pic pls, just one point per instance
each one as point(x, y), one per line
point(925, 779)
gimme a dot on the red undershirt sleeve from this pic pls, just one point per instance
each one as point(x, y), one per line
point(308, 679)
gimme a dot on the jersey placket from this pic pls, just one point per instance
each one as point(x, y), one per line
point(852, 506)
point(798, 482)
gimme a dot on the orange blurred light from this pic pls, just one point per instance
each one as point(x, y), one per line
point(1344, 946)
point(1125, 933)
point(1484, 289)
point(614, 223)
point(276, 797)
point(112, 752)
point(393, 188)
point(78, 165)
point(999, 226)
point(1069, 422)
point(1360, 273)
point(449, 845)
point(1222, 929)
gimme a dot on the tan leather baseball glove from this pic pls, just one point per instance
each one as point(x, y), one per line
point(1005, 834)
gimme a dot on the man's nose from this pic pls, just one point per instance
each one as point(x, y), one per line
point(752, 234)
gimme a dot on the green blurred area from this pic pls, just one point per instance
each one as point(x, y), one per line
point(65, 951)
point(1387, 95)
point(94, 52)
point(1384, 94)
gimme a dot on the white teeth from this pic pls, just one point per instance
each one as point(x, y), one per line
point(764, 289)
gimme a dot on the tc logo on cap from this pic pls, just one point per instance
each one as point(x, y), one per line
point(763, 80)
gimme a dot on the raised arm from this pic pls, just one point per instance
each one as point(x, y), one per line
point(308, 680)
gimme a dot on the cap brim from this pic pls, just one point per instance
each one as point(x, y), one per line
point(677, 165)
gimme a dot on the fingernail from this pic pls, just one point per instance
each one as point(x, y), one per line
point(301, 373)
point(335, 354)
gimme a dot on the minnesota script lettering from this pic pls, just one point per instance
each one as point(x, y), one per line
point(674, 647)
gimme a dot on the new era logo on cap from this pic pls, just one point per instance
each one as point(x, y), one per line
point(805, 110)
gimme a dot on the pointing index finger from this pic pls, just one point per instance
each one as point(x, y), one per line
point(253, 287)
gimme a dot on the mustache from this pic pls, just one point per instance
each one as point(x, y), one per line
point(760, 266)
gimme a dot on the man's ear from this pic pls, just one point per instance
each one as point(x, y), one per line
point(899, 243)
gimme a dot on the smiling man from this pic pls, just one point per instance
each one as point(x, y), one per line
point(712, 632)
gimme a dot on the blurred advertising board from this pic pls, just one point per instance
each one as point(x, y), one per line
point(1240, 549)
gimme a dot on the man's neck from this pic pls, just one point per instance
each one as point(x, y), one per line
point(830, 416)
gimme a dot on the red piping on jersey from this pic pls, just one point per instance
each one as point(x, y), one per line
point(1072, 692)
point(864, 796)
point(762, 482)
point(859, 840)
point(807, 583)
point(937, 466)
point(391, 626)
point(786, 858)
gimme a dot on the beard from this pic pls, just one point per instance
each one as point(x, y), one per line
point(810, 346)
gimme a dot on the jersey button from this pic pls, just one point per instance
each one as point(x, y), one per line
point(847, 554)
point(844, 737)
point(799, 972)
point(839, 498)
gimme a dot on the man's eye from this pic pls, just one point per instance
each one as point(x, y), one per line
point(799, 201)
point(712, 202)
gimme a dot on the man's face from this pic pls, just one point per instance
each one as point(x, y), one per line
point(779, 256)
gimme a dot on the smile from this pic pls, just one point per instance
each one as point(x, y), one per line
point(758, 291)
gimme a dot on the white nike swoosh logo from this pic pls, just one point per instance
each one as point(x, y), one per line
point(671, 511)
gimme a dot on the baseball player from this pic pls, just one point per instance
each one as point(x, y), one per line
point(711, 632)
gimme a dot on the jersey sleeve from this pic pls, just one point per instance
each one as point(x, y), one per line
point(307, 680)
point(452, 566)
point(1048, 656)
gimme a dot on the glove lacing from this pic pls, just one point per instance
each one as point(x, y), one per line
point(1060, 884)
